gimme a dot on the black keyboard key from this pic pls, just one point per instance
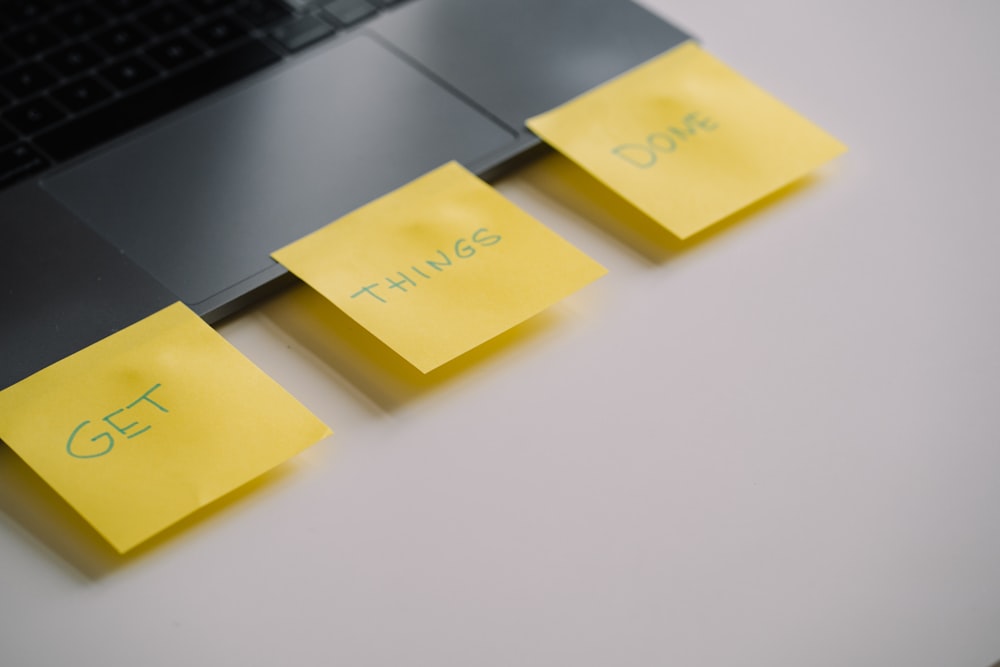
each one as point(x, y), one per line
point(301, 32)
point(122, 7)
point(21, 12)
point(6, 136)
point(166, 18)
point(81, 94)
point(175, 52)
point(33, 116)
point(207, 7)
point(349, 12)
point(79, 20)
point(219, 32)
point(129, 73)
point(120, 39)
point(167, 95)
point(262, 12)
point(7, 59)
point(18, 162)
point(33, 41)
point(73, 59)
point(27, 80)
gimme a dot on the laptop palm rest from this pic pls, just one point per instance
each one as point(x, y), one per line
point(202, 199)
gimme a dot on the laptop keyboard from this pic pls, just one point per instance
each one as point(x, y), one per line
point(74, 74)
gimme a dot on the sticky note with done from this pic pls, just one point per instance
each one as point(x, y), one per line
point(151, 423)
point(686, 139)
point(439, 266)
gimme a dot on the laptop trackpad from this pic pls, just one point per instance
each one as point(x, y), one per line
point(201, 201)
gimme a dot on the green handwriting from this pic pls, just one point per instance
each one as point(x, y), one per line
point(104, 441)
point(420, 272)
point(644, 155)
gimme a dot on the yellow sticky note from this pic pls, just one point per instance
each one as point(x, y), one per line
point(686, 139)
point(439, 266)
point(151, 423)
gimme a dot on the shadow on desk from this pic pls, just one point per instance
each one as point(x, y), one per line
point(560, 179)
point(372, 367)
point(48, 523)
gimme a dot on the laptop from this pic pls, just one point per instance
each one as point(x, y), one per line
point(159, 151)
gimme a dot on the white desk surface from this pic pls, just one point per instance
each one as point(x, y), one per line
point(778, 445)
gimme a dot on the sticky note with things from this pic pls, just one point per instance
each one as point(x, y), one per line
point(439, 266)
point(144, 427)
point(686, 139)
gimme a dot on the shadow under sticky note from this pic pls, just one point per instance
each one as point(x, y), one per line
point(146, 426)
point(439, 266)
point(366, 364)
point(686, 140)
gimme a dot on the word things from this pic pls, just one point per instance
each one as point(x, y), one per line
point(462, 249)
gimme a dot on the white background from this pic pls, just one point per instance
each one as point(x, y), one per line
point(777, 445)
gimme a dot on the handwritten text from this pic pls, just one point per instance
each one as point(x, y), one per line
point(421, 272)
point(644, 155)
point(81, 447)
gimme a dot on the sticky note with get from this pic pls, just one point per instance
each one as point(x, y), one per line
point(439, 266)
point(686, 139)
point(151, 423)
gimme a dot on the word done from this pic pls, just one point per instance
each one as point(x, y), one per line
point(644, 155)
point(79, 446)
